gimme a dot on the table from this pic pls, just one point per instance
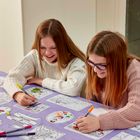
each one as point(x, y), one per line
point(52, 116)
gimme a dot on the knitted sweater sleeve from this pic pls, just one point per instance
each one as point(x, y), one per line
point(129, 115)
point(72, 85)
point(19, 74)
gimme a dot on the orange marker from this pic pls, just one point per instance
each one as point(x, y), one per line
point(89, 110)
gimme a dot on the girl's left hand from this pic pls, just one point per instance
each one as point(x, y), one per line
point(37, 81)
point(88, 124)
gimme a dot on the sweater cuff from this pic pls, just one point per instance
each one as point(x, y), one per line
point(106, 121)
point(48, 83)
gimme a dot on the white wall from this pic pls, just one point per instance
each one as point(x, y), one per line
point(11, 43)
point(77, 16)
point(110, 15)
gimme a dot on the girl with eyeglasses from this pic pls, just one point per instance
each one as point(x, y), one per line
point(54, 62)
point(113, 79)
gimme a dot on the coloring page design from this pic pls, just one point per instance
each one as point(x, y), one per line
point(4, 98)
point(59, 117)
point(125, 136)
point(22, 119)
point(69, 102)
point(136, 128)
point(38, 92)
point(94, 135)
point(1, 80)
point(35, 108)
point(45, 133)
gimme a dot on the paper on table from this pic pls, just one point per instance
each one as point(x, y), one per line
point(99, 111)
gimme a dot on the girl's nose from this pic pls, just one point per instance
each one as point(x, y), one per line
point(95, 69)
point(47, 52)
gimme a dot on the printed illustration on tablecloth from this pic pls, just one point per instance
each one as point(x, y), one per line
point(69, 102)
point(4, 98)
point(125, 136)
point(94, 135)
point(38, 92)
point(60, 117)
point(136, 128)
point(45, 133)
point(22, 119)
point(35, 108)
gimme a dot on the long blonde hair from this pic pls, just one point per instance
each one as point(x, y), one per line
point(111, 46)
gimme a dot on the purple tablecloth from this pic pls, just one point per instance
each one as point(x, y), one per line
point(69, 135)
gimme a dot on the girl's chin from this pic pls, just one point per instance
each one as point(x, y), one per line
point(51, 60)
point(101, 76)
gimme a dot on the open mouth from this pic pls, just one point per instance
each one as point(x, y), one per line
point(49, 57)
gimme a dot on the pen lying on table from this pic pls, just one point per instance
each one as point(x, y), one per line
point(17, 135)
point(8, 133)
point(15, 130)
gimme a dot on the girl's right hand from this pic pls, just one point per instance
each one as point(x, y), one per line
point(24, 99)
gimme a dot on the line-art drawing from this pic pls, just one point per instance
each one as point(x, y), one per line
point(45, 133)
point(59, 117)
point(69, 102)
point(94, 135)
point(38, 92)
point(124, 136)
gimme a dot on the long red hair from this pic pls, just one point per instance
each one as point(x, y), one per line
point(111, 46)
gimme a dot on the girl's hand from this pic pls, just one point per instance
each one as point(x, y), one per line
point(37, 81)
point(24, 99)
point(88, 124)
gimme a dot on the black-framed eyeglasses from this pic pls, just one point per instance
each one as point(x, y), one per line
point(100, 66)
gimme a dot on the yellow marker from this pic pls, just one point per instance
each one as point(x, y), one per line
point(19, 86)
point(7, 113)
